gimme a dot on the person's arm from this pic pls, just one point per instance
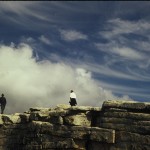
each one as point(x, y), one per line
point(70, 98)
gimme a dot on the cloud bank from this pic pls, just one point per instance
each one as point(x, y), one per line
point(29, 83)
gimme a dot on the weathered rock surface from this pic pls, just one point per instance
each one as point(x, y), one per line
point(133, 105)
point(118, 125)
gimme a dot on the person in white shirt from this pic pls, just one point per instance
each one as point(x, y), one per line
point(73, 97)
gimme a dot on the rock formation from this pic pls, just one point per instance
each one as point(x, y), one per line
point(118, 125)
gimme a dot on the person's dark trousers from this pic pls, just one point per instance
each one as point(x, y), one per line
point(73, 102)
point(2, 109)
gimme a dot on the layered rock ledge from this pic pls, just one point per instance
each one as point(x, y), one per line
point(118, 125)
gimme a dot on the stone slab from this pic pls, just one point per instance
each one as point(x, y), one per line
point(131, 105)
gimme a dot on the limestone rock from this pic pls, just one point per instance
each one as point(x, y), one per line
point(119, 125)
point(39, 109)
point(104, 135)
point(81, 119)
point(63, 106)
point(78, 108)
point(1, 120)
point(133, 105)
point(10, 119)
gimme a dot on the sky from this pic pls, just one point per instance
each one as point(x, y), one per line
point(99, 49)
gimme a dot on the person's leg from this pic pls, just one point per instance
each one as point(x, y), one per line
point(73, 102)
point(70, 101)
point(2, 109)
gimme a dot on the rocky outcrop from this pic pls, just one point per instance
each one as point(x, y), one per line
point(118, 125)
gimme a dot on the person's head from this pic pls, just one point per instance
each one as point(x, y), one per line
point(2, 95)
point(71, 91)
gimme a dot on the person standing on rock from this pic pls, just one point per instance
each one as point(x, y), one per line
point(3, 103)
point(73, 97)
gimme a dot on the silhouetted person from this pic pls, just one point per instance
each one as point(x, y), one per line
point(3, 103)
point(72, 101)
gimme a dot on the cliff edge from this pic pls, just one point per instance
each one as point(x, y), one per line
point(118, 125)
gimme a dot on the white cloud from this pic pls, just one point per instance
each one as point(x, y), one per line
point(27, 83)
point(125, 52)
point(128, 53)
point(45, 40)
point(142, 45)
point(124, 90)
point(127, 40)
point(104, 70)
point(118, 26)
point(22, 9)
point(107, 68)
point(28, 40)
point(72, 35)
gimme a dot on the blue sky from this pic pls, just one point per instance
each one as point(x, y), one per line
point(100, 49)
